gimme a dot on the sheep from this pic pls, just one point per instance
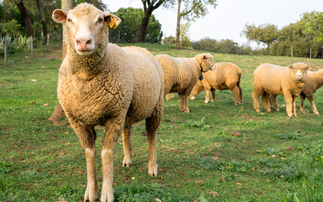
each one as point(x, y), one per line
point(102, 84)
point(275, 80)
point(169, 96)
point(181, 74)
point(226, 76)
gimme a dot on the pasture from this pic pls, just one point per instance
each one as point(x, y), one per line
point(277, 158)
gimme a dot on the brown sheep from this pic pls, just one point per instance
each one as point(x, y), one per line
point(275, 80)
point(181, 74)
point(103, 84)
point(226, 76)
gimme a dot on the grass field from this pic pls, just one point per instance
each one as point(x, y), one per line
point(277, 158)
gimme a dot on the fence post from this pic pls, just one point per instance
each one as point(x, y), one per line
point(31, 47)
point(47, 41)
point(310, 53)
point(291, 51)
point(5, 50)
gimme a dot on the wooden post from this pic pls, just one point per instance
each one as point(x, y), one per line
point(5, 50)
point(310, 53)
point(47, 41)
point(31, 47)
point(291, 51)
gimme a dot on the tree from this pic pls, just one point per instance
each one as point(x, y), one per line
point(184, 36)
point(149, 7)
point(312, 23)
point(265, 33)
point(193, 10)
point(43, 21)
point(25, 15)
point(170, 40)
point(127, 31)
point(11, 28)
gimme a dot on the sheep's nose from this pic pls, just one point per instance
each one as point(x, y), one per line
point(83, 42)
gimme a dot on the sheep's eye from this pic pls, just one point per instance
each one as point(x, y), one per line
point(69, 20)
point(100, 20)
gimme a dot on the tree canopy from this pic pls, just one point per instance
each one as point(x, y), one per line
point(312, 23)
point(127, 31)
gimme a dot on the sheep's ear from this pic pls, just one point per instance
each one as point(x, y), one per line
point(113, 21)
point(308, 68)
point(290, 67)
point(204, 57)
point(59, 15)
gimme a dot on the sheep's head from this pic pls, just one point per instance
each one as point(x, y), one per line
point(86, 27)
point(299, 71)
point(206, 62)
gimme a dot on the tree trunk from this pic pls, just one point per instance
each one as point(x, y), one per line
point(26, 17)
point(43, 21)
point(143, 27)
point(178, 30)
point(58, 111)
point(66, 5)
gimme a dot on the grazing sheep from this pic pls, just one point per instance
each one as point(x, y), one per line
point(181, 74)
point(226, 76)
point(103, 84)
point(313, 82)
point(275, 80)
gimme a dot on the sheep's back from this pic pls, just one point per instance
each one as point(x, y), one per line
point(223, 76)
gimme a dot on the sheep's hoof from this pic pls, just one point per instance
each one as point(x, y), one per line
point(290, 115)
point(152, 169)
point(316, 112)
point(268, 110)
point(257, 110)
point(91, 192)
point(127, 162)
point(206, 101)
point(277, 110)
point(192, 98)
point(212, 100)
point(107, 195)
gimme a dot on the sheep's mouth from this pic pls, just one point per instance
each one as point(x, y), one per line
point(84, 52)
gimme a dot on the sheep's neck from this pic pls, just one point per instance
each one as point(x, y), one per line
point(199, 68)
point(86, 67)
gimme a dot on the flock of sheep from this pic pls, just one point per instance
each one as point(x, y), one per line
point(103, 84)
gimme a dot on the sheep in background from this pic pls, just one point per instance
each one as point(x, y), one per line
point(275, 80)
point(313, 82)
point(181, 74)
point(226, 76)
point(103, 84)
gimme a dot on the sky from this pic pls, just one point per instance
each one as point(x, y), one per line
point(230, 16)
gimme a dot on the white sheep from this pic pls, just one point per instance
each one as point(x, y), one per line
point(313, 82)
point(181, 74)
point(275, 80)
point(226, 76)
point(103, 84)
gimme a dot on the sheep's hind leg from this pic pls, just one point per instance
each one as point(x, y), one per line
point(303, 98)
point(113, 131)
point(255, 99)
point(236, 94)
point(213, 94)
point(265, 101)
point(311, 99)
point(126, 139)
point(183, 102)
point(273, 101)
point(152, 124)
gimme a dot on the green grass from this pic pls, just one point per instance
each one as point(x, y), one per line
point(277, 158)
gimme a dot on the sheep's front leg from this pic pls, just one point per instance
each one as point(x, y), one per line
point(183, 102)
point(113, 131)
point(207, 96)
point(126, 139)
point(265, 101)
point(294, 105)
point(87, 138)
point(289, 103)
